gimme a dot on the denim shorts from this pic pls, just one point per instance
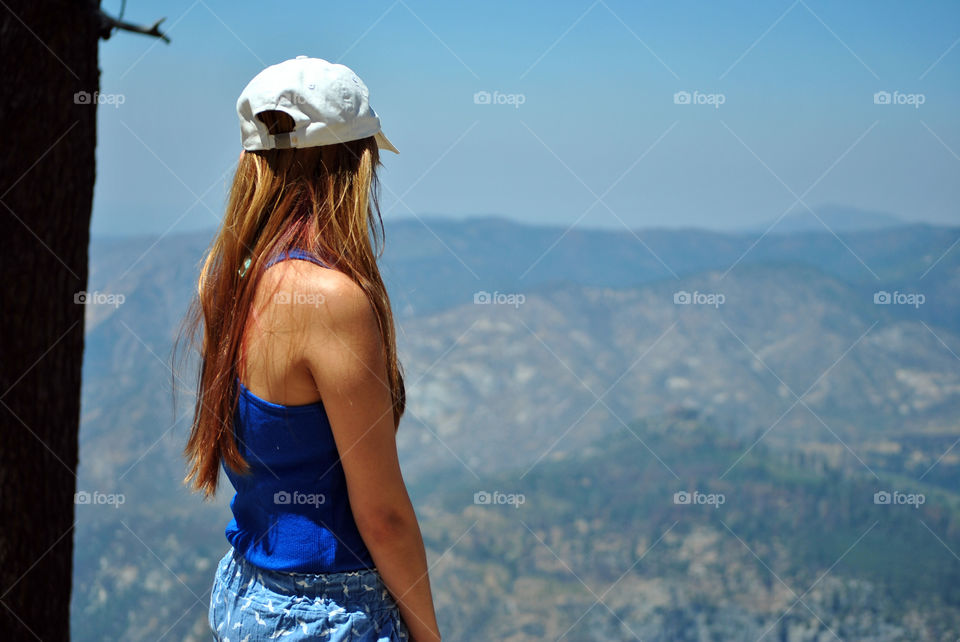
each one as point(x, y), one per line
point(249, 604)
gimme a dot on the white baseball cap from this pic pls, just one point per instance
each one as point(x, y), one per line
point(328, 103)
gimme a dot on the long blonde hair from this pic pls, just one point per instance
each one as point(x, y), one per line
point(322, 199)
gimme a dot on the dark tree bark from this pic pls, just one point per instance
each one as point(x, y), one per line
point(48, 53)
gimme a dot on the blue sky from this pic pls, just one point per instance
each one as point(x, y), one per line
point(599, 139)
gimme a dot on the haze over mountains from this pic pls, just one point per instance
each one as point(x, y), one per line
point(793, 372)
point(828, 218)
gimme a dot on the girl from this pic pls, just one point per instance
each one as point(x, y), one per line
point(300, 391)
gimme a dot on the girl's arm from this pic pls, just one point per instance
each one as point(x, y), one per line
point(343, 351)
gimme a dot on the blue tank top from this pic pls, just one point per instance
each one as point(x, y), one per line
point(292, 513)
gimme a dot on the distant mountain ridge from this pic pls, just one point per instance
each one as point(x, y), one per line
point(434, 263)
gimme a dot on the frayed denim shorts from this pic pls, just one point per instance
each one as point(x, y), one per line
point(250, 604)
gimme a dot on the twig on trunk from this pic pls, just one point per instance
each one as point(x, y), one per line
point(108, 23)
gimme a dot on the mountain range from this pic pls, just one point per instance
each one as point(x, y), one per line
point(596, 372)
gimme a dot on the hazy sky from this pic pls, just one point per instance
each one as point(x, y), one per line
point(584, 127)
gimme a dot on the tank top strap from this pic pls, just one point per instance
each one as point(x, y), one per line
point(297, 253)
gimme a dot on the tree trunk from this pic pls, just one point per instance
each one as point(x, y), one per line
point(48, 53)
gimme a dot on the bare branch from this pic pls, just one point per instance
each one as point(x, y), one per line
point(108, 23)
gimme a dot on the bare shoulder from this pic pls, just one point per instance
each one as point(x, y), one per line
point(319, 298)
